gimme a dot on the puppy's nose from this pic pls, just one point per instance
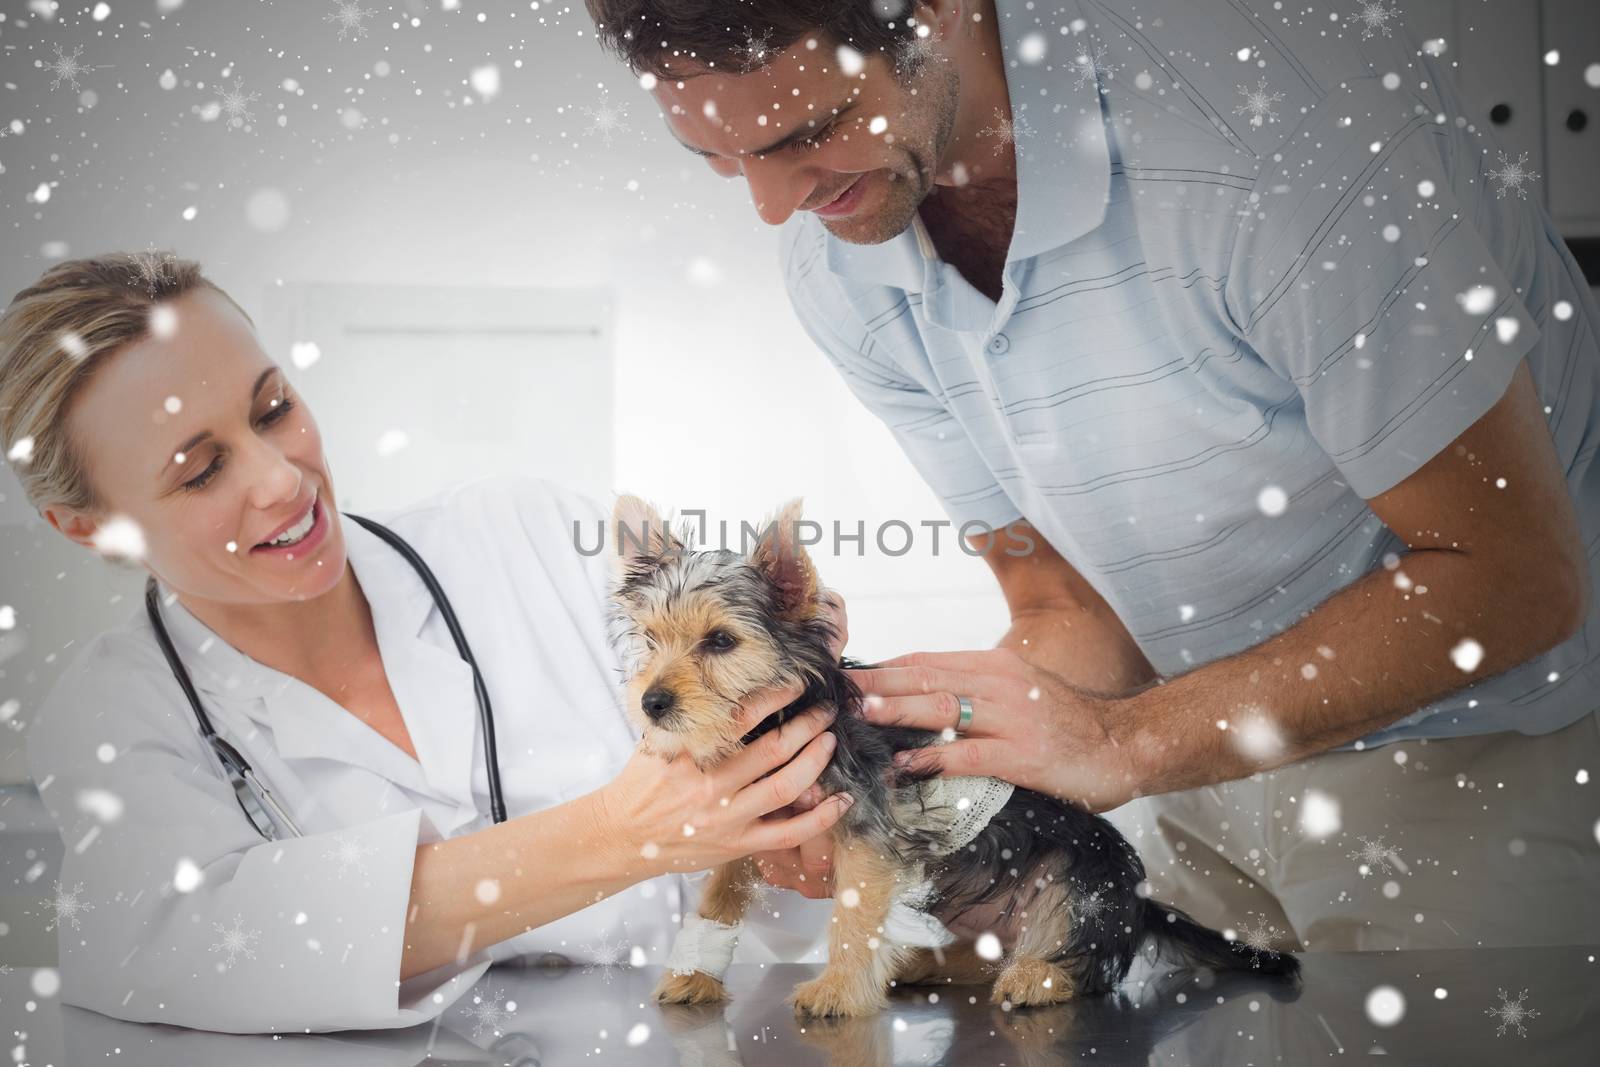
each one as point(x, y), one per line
point(657, 701)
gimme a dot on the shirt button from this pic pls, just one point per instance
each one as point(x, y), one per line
point(999, 345)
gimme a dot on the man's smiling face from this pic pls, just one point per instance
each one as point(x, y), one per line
point(853, 139)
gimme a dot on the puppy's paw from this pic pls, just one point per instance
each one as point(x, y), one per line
point(695, 988)
point(830, 994)
point(1031, 982)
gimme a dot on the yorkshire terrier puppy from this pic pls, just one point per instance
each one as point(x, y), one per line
point(700, 630)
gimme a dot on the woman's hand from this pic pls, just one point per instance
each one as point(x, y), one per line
point(808, 868)
point(1028, 726)
point(669, 816)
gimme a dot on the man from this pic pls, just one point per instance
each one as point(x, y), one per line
point(1296, 388)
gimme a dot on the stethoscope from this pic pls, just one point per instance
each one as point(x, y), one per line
point(262, 808)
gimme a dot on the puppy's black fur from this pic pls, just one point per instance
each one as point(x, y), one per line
point(1033, 836)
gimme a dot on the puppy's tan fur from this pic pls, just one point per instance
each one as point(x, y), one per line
point(862, 962)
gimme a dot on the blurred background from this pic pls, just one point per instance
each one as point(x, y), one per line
point(466, 233)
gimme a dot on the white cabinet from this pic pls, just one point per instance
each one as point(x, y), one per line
point(1499, 71)
point(1572, 115)
point(421, 387)
point(1548, 110)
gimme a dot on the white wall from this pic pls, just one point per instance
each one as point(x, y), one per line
point(720, 401)
point(394, 171)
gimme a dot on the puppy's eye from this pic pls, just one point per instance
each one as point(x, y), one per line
point(720, 641)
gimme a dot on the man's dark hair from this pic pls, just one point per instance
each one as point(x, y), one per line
point(671, 38)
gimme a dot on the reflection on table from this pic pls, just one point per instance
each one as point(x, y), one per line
point(1432, 1007)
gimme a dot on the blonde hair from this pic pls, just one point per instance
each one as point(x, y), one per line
point(53, 337)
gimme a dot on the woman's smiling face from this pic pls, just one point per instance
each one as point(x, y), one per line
point(194, 435)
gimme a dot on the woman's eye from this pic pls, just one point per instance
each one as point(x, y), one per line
point(278, 410)
point(199, 481)
point(720, 641)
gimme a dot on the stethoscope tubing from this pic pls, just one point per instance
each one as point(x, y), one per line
point(237, 768)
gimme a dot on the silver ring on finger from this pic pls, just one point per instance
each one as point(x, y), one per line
point(965, 719)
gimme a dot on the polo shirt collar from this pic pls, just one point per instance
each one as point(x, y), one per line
point(899, 262)
point(1063, 164)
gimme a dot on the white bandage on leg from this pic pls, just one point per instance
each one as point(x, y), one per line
point(704, 945)
point(960, 808)
point(909, 922)
point(964, 806)
point(907, 926)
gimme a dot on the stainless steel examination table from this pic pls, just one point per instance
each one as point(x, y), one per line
point(1437, 1007)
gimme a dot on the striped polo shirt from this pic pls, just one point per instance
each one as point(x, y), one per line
point(1263, 270)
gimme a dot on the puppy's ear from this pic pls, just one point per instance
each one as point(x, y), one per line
point(782, 558)
point(639, 535)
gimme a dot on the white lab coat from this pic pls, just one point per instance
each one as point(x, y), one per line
point(306, 934)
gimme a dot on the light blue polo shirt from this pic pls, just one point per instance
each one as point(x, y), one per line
point(1243, 296)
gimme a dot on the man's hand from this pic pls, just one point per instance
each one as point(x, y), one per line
point(1496, 555)
point(1028, 726)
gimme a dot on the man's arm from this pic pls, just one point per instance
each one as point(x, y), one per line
point(1058, 620)
point(1496, 563)
point(1496, 559)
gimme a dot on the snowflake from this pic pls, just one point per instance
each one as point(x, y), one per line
point(1007, 131)
point(757, 890)
point(349, 852)
point(1374, 855)
point(1374, 17)
point(235, 940)
point(1258, 103)
point(607, 119)
point(1256, 940)
point(67, 68)
point(1090, 907)
point(1095, 69)
point(1509, 176)
point(149, 269)
point(349, 17)
point(235, 104)
point(756, 52)
point(915, 52)
point(67, 907)
point(488, 1016)
point(606, 957)
point(1511, 1013)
